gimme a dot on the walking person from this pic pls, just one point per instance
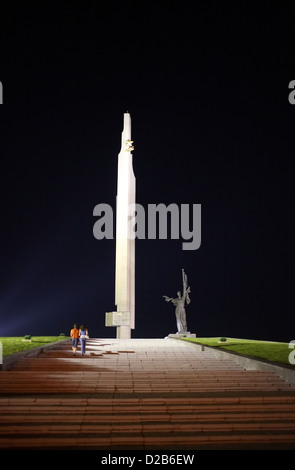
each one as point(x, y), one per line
point(83, 333)
point(74, 334)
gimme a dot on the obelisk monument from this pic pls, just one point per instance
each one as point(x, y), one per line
point(125, 242)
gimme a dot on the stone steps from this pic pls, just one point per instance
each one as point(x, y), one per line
point(148, 395)
point(145, 422)
point(27, 382)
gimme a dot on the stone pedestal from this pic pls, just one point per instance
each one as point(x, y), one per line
point(123, 332)
point(187, 334)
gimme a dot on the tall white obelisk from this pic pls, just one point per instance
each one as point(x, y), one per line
point(125, 242)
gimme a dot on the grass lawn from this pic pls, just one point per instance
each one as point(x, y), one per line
point(13, 344)
point(269, 350)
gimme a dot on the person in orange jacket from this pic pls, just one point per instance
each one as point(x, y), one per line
point(75, 338)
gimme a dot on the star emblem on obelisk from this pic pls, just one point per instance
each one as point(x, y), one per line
point(129, 145)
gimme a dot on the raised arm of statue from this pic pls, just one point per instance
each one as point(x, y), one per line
point(188, 300)
point(184, 279)
point(184, 284)
point(186, 288)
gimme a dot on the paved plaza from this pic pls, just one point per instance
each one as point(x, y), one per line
point(142, 394)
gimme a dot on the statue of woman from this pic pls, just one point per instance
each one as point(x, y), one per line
point(180, 303)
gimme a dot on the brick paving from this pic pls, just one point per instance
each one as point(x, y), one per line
point(142, 394)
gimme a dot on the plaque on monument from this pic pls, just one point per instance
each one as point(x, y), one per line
point(117, 319)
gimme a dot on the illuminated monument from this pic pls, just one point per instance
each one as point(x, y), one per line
point(124, 318)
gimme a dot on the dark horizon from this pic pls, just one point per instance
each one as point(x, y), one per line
point(207, 91)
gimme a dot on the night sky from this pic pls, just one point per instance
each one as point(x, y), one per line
point(207, 90)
